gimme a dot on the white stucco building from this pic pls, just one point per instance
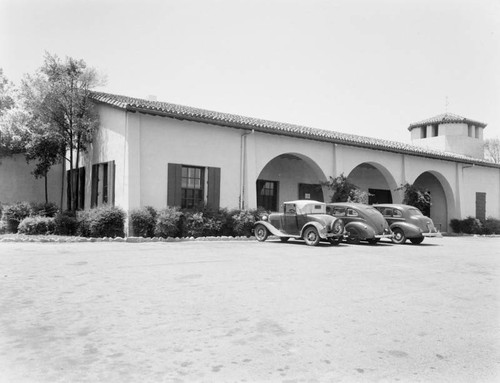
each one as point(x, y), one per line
point(158, 154)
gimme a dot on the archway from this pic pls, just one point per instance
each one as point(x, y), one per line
point(287, 177)
point(442, 200)
point(375, 179)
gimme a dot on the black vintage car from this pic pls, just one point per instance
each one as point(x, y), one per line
point(301, 219)
point(407, 222)
point(362, 222)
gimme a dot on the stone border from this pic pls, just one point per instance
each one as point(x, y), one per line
point(71, 239)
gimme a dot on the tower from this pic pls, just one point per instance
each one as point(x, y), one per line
point(450, 133)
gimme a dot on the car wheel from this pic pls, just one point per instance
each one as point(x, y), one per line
point(354, 236)
point(284, 239)
point(373, 241)
point(260, 233)
point(417, 241)
point(311, 236)
point(399, 236)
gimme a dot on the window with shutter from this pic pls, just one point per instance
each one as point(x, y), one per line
point(189, 188)
point(103, 184)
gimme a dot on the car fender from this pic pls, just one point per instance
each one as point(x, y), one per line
point(363, 228)
point(317, 225)
point(271, 229)
point(409, 229)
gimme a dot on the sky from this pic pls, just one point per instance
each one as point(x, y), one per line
point(363, 67)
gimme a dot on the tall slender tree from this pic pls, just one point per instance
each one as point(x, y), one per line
point(62, 118)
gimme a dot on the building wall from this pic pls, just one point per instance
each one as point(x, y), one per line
point(143, 146)
point(17, 182)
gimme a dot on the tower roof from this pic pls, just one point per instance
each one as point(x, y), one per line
point(446, 118)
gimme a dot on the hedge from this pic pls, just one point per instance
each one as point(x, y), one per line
point(471, 225)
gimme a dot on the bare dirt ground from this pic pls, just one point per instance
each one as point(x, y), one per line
point(250, 312)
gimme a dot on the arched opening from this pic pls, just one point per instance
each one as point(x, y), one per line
point(374, 179)
point(441, 197)
point(288, 177)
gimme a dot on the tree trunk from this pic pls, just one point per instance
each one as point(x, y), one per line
point(46, 191)
point(77, 182)
point(62, 182)
point(71, 205)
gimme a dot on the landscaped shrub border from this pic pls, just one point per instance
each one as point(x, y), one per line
point(147, 222)
point(471, 225)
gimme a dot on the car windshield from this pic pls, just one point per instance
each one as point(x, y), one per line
point(414, 212)
point(313, 209)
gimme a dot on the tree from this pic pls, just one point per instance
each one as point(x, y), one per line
point(12, 119)
point(345, 191)
point(418, 197)
point(492, 149)
point(62, 118)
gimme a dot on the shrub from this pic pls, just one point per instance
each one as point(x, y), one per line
point(3, 227)
point(198, 225)
point(65, 223)
point(37, 225)
point(103, 221)
point(491, 226)
point(143, 221)
point(83, 220)
point(168, 221)
point(107, 221)
point(469, 225)
point(244, 222)
point(14, 214)
point(43, 209)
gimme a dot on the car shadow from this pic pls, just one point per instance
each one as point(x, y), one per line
point(302, 243)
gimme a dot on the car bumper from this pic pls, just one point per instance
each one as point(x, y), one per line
point(435, 235)
point(381, 236)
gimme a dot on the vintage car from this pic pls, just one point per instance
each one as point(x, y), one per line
point(407, 222)
point(301, 219)
point(362, 222)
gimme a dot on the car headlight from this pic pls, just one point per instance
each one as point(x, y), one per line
point(264, 218)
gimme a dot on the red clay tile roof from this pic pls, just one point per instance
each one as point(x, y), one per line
point(446, 118)
point(240, 122)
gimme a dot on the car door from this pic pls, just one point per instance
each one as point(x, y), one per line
point(387, 213)
point(290, 225)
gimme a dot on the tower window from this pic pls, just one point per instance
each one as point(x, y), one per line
point(435, 130)
point(471, 130)
point(423, 132)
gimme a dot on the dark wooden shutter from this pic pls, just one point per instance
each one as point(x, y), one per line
point(113, 180)
point(81, 173)
point(481, 206)
point(174, 190)
point(213, 197)
point(94, 187)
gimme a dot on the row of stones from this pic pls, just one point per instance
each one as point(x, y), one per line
point(119, 239)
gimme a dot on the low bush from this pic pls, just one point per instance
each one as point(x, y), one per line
point(37, 225)
point(14, 214)
point(243, 222)
point(43, 209)
point(168, 222)
point(103, 221)
point(196, 224)
point(471, 225)
point(65, 223)
point(143, 221)
point(491, 226)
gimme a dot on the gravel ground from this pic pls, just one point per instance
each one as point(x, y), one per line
point(236, 311)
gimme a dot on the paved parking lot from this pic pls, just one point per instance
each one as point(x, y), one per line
point(246, 311)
